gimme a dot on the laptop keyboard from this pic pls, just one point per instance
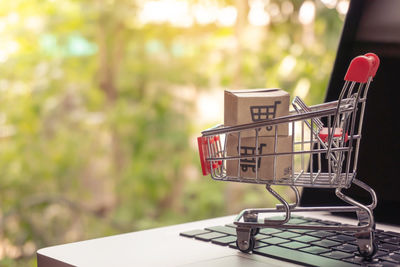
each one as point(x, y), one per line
point(308, 247)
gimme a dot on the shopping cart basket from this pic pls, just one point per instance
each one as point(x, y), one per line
point(325, 141)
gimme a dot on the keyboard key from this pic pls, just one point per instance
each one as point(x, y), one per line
point(300, 231)
point(392, 233)
point(337, 255)
point(381, 253)
point(342, 238)
point(192, 233)
point(299, 257)
point(223, 229)
point(294, 245)
point(261, 236)
point(326, 243)
point(382, 236)
point(394, 240)
point(296, 221)
point(387, 247)
point(388, 264)
point(269, 231)
point(321, 234)
point(392, 258)
point(313, 223)
point(209, 236)
point(347, 248)
point(292, 220)
point(286, 235)
point(350, 233)
point(274, 240)
point(260, 244)
point(233, 245)
point(224, 241)
point(315, 250)
point(305, 238)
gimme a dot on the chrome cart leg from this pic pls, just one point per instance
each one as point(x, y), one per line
point(364, 238)
point(367, 246)
point(370, 191)
point(245, 240)
point(282, 207)
point(365, 235)
point(291, 205)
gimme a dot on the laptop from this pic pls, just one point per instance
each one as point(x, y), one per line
point(370, 26)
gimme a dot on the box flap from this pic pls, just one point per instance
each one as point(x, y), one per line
point(258, 92)
point(253, 90)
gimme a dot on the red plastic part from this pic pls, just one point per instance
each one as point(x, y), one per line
point(324, 135)
point(360, 69)
point(205, 165)
point(375, 63)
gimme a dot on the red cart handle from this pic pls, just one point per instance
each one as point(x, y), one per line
point(204, 152)
point(205, 165)
point(362, 68)
point(375, 63)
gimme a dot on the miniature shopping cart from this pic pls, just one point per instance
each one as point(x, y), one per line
point(325, 141)
point(261, 113)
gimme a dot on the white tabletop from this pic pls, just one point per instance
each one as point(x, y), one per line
point(156, 247)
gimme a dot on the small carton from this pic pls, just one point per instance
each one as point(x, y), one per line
point(264, 165)
point(253, 105)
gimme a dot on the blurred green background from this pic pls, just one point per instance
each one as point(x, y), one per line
point(101, 101)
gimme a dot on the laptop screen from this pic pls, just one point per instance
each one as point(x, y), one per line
point(371, 26)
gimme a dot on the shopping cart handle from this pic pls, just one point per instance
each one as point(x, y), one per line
point(360, 69)
point(375, 63)
point(205, 165)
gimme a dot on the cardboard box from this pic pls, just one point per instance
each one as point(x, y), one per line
point(265, 165)
point(247, 106)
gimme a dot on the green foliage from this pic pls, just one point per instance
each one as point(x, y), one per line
point(97, 115)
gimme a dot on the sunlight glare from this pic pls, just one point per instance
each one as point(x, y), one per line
point(287, 65)
point(342, 7)
point(34, 23)
point(172, 11)
point(302, 88)
point(205, 14)
point(307, 12)
point(12, 18)
point(329, 3)
point(2, 25)
point(7, 48)
point(227, 16)
point(257, 15)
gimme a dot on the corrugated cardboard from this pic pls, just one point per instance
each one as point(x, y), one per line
point(265, 165)
point(247, 106)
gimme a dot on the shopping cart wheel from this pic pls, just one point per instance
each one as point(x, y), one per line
point(255, 231)
point(250, 247)
point(368, 253)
